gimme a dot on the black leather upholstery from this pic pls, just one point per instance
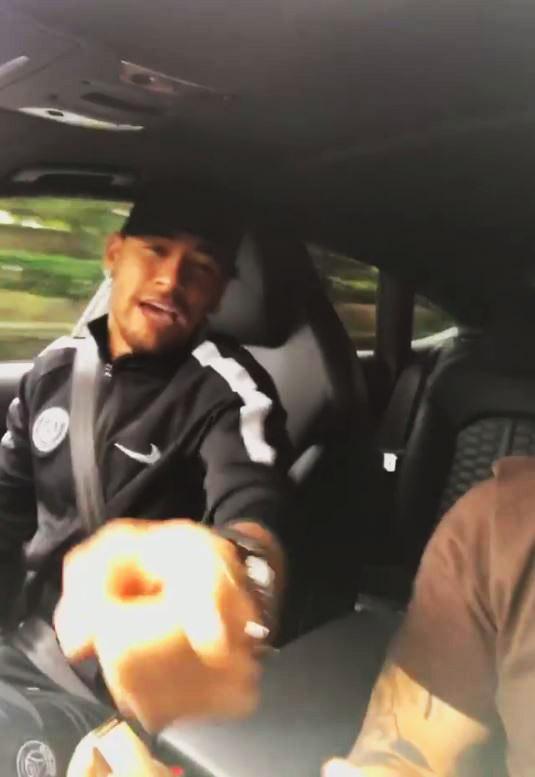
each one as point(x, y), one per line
point(478, 405)
point(477, 448)
point(277, 307)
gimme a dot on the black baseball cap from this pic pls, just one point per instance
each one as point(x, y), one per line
point(171, 210)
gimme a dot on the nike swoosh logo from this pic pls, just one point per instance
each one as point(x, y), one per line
point(144, 458)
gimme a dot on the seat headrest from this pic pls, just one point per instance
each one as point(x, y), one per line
point(264, 301)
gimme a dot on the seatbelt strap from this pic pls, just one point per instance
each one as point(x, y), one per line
point(34, 637)
point(86, 379)
point(37, 640)
point(397, 422)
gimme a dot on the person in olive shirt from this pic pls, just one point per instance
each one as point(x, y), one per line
point(461, 670)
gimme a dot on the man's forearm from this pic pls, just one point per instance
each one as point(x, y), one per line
point(344, 768)
point(385, 745)
point(410, 732)
point(388, 764)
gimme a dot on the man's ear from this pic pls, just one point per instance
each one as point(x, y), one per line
point(112, 250)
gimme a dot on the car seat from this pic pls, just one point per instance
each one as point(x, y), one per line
point(478, 405)
point(276, 306)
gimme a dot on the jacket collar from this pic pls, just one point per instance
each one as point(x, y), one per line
point(161, 363)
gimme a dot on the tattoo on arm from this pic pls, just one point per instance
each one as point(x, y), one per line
point(411, 732)
point(381, 742)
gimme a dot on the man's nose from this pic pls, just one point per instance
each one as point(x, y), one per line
point(170, 273)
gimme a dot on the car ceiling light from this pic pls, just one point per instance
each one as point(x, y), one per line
point(80, 120)
point(8, 68)
point(162, 84)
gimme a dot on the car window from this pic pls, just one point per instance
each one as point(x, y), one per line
point(430, 322)
point(352, 288)
point(50, 266)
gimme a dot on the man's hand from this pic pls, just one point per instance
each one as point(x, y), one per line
point(163, 606)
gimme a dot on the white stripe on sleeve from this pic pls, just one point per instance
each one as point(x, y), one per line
point(256, 405)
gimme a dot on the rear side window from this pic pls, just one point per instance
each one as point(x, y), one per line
point(430, 321)
point(352, 288)
point(50, 266)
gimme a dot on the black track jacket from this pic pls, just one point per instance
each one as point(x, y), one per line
point(198, 434)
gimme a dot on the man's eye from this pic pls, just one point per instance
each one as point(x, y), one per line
point(203, 266)
point(157, 250)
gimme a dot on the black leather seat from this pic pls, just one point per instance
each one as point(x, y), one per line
point(277, 307)
point(478, 405)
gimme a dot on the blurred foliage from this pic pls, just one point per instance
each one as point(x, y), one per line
point(34, 308)
point(50, 276)
point(43, 292)
point(25, 346)
point(346, 279)
point(89, 220)
point(429, 319)
point(352, 288)
point(29, 322)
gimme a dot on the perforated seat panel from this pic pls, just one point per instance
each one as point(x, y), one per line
point(478, 446)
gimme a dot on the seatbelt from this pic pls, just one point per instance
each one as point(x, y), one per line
point(35, 638)
point(397, 421)
point(86, 378)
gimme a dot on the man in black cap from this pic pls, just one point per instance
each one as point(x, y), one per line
point(185, 429)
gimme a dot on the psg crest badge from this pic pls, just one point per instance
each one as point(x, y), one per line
point(50, 429)
point(36, 759)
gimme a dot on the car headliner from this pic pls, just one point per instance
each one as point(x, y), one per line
point(401, 132)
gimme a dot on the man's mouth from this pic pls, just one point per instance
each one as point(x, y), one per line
point(166, 313)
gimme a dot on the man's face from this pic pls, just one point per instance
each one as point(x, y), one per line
point(162, 291)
